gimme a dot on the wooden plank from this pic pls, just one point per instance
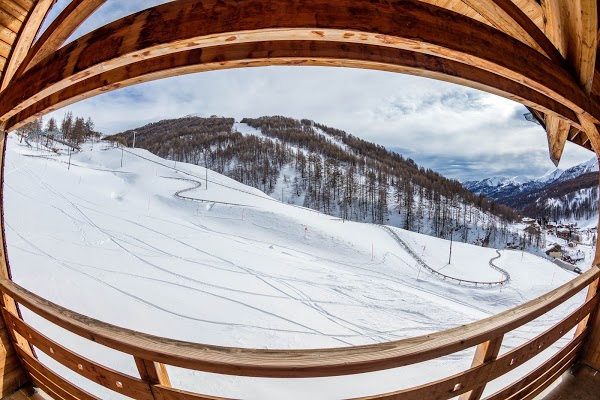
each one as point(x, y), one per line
point(10, 22)
point(301, 363)
point(5, 300)
point(25, 38)
point(14, 9)
point(509, 18)
point(557, 132)
point(12, 380)
point(573, 28)
point(59, 31)
point(533, 10)
point(40, 373)
point(485, 353)
point(152, 372)
point(289, 53)
point(400, 24)
point(109, 378)
point(549, 377)
point(566, 353)
point(475, 377)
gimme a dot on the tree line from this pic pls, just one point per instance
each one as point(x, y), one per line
point(72, 129)
point(332, 171)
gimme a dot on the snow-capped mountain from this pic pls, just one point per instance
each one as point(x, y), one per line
point(570, 194)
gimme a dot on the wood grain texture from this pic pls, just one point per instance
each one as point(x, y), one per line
point(200, 24)
point(46, 378)
point(31, 24)
point(296, 363)
point(244, 55)
point(557, 132)
point(484, 353)
point(109, 378)
point(59, 31)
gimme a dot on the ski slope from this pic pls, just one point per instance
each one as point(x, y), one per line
point(177, 251)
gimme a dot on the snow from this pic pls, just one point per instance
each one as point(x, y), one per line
point(225, 264)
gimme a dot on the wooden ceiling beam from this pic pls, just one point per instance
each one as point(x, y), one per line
point(25, 38)
point(573, 28)
point(59, 31)
point(509, 18)
point(557, 132)
point(9, 21)
point(14, 9)
point(239, 55)
point(402, 24)
point(533, 10)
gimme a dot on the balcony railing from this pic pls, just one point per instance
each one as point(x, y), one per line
point(152, 353)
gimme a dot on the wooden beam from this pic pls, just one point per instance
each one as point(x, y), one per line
point(573, 28)
point(402, 24)
point(153, 373)
point(484, 353)
point(25, 38)
point(557, 131)
point(59, 31)
point(509, 18)
point(314, 362)
point(291, 53)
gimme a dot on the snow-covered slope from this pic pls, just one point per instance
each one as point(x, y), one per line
point(153, 246)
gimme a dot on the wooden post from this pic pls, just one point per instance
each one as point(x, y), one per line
point(485, 352)
point(591, 351)
point(8, 385)
point(152, 372)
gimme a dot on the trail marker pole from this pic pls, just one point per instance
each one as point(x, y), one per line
point(69, 167)
point(121, 157)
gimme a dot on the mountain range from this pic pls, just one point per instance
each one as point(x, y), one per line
point(569, 194)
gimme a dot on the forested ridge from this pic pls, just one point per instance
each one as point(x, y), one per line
point(329, 170)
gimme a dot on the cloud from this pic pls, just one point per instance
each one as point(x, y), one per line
point(461, 132)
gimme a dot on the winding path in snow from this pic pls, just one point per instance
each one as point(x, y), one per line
point(448, 278)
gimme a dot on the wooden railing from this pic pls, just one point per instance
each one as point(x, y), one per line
point(152, 353)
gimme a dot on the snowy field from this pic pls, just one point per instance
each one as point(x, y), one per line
point(238, 268)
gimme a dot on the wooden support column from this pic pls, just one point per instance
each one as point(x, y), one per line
point(29, 30)
point(12, 376)
point(486, 352)
point(573, 28)
point(153, 372)
point(591, 350)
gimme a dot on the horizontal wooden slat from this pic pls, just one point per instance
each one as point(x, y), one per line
point(565, 353)
point(296, 363)
point(474, 377)
point(50, 379)
point(109, 378)
point(546, 380)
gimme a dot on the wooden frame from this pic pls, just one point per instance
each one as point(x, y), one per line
point(543, 56)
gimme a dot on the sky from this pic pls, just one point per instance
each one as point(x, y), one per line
point(459, 132)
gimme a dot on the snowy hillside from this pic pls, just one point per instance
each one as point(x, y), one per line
point(175, 250)
point(304, 163)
